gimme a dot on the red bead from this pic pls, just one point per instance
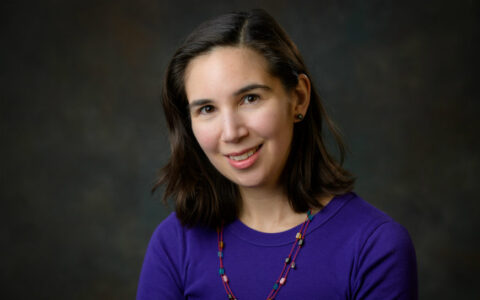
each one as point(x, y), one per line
point(300, 240)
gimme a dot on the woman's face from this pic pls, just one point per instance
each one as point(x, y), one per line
point(242, 117)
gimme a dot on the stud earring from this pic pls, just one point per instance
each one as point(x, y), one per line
point(299, 117)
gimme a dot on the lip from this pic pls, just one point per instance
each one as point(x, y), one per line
point(245, 163)
point(242, 152)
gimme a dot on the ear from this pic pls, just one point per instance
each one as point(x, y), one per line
point(301, 97)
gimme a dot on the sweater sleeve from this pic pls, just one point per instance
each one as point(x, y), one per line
point(160, 277)
point(386, 266)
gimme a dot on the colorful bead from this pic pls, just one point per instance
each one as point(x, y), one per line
point(300, 240)
point(309, 215)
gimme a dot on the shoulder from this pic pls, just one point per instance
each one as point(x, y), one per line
point(172, 236)
point(363, 218)
point(165, 233)
point(167, 239)
point(384, 255)
point(370, 222)
point(169, 226)
point(367, 231)
point(168, 258)
point(361, 210)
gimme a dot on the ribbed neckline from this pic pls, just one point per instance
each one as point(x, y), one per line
point(258, 238)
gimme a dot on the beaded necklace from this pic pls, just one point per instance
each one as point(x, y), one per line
point(289, 263)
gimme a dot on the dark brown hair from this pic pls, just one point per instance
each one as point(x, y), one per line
point(202, 195)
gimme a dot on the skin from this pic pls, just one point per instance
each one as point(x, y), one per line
point(236, 105)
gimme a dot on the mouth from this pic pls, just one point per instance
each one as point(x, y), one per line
point(244, 155)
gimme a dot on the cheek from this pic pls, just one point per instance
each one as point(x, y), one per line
point(206, 137)
point(274, 124)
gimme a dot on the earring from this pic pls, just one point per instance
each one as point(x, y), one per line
point(299, 117)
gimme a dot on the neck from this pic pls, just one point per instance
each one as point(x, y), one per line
point(268, 210)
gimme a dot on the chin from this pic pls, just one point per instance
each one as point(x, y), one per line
point(248, 182)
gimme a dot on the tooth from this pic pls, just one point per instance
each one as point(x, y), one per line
point(244, 156)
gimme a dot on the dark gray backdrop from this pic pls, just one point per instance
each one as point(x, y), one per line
point(83, 132)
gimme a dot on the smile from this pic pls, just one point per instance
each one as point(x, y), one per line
point(244, 159)
point(244, 155)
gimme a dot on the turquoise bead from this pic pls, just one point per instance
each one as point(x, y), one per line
point(220, 254)
point(309, 215)
point(275, 286)
point(221, 271)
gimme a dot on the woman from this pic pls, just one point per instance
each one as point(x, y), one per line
point(262, 210)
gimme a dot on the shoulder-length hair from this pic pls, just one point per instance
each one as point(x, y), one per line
point(201, 194)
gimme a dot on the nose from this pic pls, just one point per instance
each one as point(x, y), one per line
point(234, 128)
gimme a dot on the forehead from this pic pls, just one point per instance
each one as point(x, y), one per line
point(224, 70)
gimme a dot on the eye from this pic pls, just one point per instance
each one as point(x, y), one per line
point(207, 109)
point(250, 98)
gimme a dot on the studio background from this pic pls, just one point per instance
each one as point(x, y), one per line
point(83, 132)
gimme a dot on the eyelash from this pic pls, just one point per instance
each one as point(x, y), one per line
point(247, 99)
point(202, 109)
point(254, 96)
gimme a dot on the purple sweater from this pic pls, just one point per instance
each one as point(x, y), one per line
point(352, 251)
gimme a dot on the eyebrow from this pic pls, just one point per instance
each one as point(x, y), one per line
point(250, 87)
point(247, 88)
